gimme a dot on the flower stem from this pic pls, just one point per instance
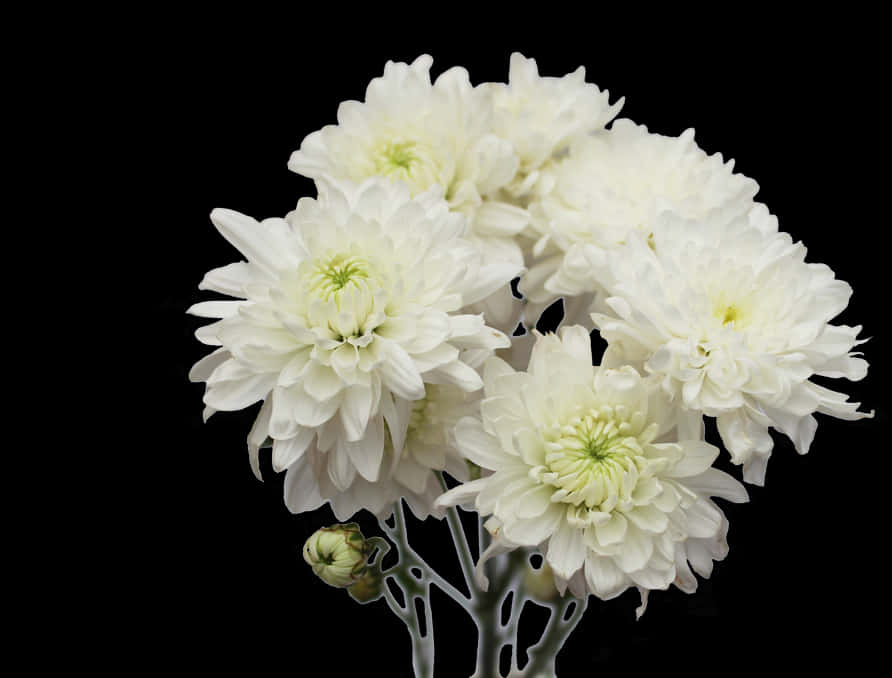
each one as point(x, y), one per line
point(544, 653)
point(460, 540)
point(414, 577)
point(409, 558)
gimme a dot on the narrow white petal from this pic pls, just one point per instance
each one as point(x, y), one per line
point(286, 452)
point(715, 483)
point(230, 279)
point(260, 243)
point(215, 309)
point(634, 551)
point(229, 396)
point(698, 456)
point(534, 531)
point(603, 577)
point(566, 550)
point(399, 374)
point(204, 368)
point(703, 519)
point(321, 382)
point(495, 549)
point(500, 219)
point(258, 435)
point(456, 373)
point(301, 489)
point(366, 454)
point(356, 409)
point(577, 343)
point(477, 445)
point(461, 493)
point(612, 530)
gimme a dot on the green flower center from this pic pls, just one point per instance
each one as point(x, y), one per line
point(334, 274)
point(593, 459)
point(731, 315)
point(396, 156)
point(732, 310)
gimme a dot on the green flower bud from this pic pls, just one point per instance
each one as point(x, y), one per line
point(337, 554)
point(539, 584)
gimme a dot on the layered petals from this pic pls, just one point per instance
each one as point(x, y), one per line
point(584, 463)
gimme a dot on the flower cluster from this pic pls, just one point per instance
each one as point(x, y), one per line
point(373, 325)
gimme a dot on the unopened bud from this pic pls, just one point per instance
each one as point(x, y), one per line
point(337, 554)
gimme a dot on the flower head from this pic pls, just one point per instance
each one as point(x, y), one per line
point(597, 467)
point(425, 134)
point(347, 309)
point(727, 315)
point(542, 115)
point(615, 182)
point(409, 464)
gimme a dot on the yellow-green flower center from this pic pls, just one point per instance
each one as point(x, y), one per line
point(397, 155)
point(333, 274)
point(731, 310)
point(409, 160)
point(595, 459)
point(731, 315)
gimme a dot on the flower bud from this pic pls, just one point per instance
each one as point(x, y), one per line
point(337, 554)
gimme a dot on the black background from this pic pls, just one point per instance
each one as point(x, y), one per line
point(216, 114)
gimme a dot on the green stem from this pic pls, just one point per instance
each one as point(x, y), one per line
point(484, 607)
point(409, 558)
point(544, 653)
point(422, 643)
point(461, 542)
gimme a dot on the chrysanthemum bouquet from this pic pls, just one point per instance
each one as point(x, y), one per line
point(377, 326)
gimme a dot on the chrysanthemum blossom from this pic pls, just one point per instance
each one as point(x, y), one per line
point(614, 182)
point(424, 134)
point(594, 466)
point(346, 310)
point(727, 314)
point(427, 448)
point(542, 115)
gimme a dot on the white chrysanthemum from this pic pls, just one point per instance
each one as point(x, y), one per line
point(728, 315)
point(618, 181)
point(423, 134)
point(542, 115)
point(428, 446)
point(430, 439)
point(348, 308)
point(593, 465)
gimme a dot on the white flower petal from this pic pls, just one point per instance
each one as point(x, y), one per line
point(355, 411)
point(287, 452)
point(603, 577)
point(479, 446)
point(366, 454)
point(715, 483)
point(460, 494)
point(698, 456)
point(257, 436)
point(399, 374)
point(301, 488)
point(566, 551)
point(533, 531)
